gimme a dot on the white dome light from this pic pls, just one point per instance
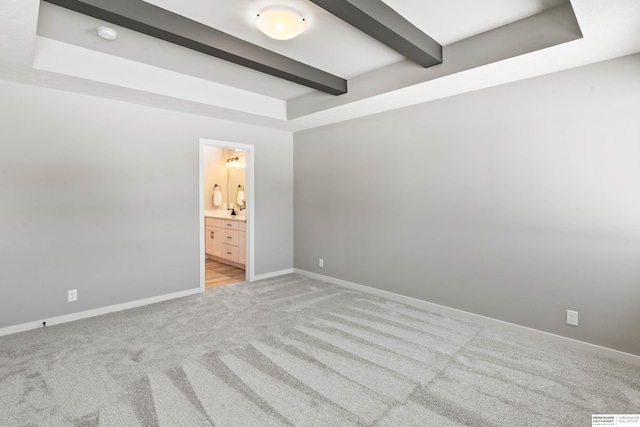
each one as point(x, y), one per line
point(280, 22)
point(107, 33)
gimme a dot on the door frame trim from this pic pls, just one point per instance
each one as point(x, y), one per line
point(249, 194)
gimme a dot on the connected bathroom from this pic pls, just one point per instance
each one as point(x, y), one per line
point(225, 219)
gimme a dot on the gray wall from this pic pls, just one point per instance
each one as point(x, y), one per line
point(516, 202)
point(102, 196)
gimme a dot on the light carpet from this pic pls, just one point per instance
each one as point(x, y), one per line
point(297, 351)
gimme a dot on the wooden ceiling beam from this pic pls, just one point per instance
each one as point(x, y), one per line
point(154, 21)
point(375, 18)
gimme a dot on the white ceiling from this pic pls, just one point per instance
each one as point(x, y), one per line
point(334, 46)
point(321, 45)
point(453, 20)
point(46, 45)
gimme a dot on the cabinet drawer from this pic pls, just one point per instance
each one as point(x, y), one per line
point(213, 222)
point(230, 252)
point(230, 237)
point(231, 225)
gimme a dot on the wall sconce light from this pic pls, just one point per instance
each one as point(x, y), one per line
point(280, 22)
point(234, 162)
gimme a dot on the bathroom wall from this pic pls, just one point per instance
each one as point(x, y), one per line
point(516, 202)
point(215, 172)
point(102, 196)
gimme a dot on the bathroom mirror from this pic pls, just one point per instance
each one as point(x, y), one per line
point(225, 170)
point(236, 181)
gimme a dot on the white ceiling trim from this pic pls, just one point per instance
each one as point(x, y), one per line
point(63, 58)
point(555, 59)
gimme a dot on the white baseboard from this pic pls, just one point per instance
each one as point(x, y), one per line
point(558, 339)
point(95, 312)
point(272, 274)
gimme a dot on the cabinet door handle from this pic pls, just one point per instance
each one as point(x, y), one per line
point(229, 237)
point(213, 235)
point(229, 253)
point(228, 225)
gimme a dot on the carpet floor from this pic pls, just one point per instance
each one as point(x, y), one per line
point(297, 351)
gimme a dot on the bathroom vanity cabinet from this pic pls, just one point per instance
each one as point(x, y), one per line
point(242, 244)
point(213, 237)
point(225, 240)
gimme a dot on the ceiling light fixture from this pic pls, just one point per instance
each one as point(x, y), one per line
point(107, 33)
point(280, 22)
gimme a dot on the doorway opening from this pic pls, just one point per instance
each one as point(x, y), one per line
point(226, 193)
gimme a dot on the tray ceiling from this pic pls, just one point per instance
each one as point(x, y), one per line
point(485, 42)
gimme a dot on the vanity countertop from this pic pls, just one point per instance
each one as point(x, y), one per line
point(225, 215)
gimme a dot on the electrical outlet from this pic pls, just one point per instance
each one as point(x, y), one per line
point(72, 295)
point(572, 317)
point(320, 262)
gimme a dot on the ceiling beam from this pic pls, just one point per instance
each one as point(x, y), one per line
point(375, 18)
point(154, 21)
